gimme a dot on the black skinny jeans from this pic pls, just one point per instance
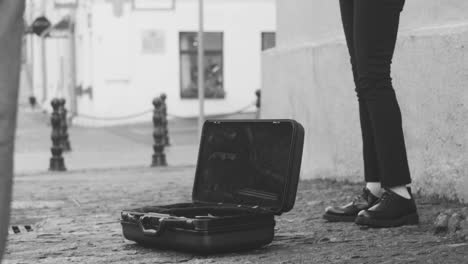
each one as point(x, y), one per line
point(371, 28)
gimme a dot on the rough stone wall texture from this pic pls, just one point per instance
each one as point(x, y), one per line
point(308, 77)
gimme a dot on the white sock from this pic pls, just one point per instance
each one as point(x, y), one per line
point(402, 191)
point(375, 188)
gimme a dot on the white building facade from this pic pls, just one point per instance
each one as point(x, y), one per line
point(127, 52)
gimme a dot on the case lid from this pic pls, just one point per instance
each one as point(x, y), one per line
point(249, 162)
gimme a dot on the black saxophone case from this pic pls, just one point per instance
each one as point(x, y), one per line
point(247, 172)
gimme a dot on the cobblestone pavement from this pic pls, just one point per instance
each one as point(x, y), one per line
point(75, 219)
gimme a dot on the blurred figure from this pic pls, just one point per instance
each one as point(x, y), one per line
point(11, 31)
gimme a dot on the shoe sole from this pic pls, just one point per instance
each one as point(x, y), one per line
point(411, 219)
point(338, 218)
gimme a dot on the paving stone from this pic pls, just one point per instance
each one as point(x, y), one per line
point(441, 223)
point(454, 223)
point(85, 227)
point(463, 232)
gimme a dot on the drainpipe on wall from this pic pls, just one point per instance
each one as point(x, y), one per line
point(29, 67)
point(73, 73)
point(201, 69)
point(43, 60)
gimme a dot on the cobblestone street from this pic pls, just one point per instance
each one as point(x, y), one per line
point(75, 219)
point(108, 106)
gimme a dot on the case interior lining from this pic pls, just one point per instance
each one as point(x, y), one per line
point(191, 210)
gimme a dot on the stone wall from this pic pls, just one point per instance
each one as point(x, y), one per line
point(308, 77)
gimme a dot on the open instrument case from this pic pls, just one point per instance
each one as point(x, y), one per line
point(247, 172)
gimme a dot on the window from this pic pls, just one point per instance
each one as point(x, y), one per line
point(214, 86)
point(268, 40)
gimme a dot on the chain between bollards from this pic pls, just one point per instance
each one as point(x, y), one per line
point(159, 158)
point(57, 162)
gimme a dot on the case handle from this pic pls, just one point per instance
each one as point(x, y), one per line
point(153, 232)
point(156, 231)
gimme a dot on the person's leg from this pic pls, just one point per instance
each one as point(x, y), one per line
point(372, 191)
point(371, 168)
point(11, 30)
point(376, 28)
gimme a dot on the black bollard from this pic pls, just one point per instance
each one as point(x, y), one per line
point(258, 93)
point(165, 122)
point(159, 158)
point(32, 102)
point(56, 162)
point(65, 142)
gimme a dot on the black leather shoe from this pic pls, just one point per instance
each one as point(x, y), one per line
point(348, 212)
point(391, 210)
